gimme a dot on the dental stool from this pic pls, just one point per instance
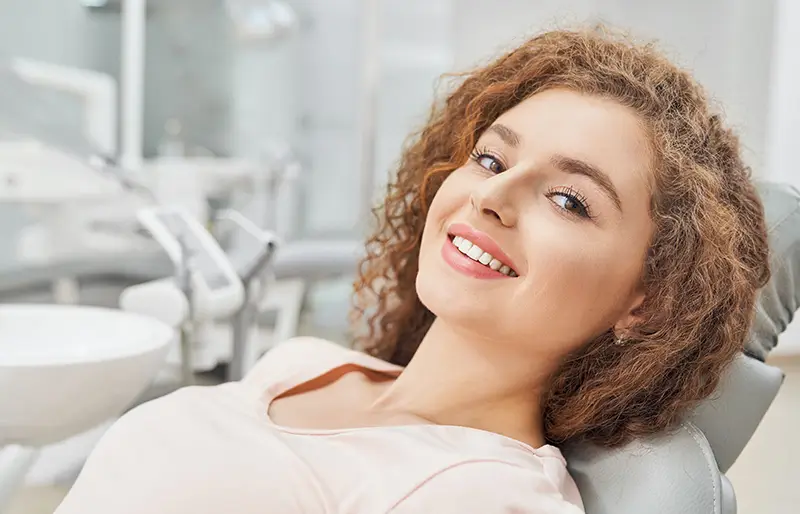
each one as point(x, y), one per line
point(682, 472)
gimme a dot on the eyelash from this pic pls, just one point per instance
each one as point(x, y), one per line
point(574, 196)
point(480, 153)
point(566, 191)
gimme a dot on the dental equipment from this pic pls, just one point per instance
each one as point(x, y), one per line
point(276, 184)
point(55, 187)
point(254, 276)
point(97, 91)
point(204, 287)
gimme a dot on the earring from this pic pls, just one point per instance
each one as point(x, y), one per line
point(620, 341)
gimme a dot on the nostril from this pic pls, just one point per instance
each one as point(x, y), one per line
point(490, 212)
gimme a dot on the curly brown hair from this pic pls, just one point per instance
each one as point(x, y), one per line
point(707, 258)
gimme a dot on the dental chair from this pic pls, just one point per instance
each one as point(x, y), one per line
point(682, 472)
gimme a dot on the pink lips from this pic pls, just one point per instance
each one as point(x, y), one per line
point(464, 264)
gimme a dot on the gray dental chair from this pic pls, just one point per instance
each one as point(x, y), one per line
point(683, 472)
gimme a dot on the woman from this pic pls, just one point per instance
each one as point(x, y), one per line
point(570, 252)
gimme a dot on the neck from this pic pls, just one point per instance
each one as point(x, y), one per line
point(456, 378)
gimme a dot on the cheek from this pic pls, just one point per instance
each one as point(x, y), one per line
point(452, 196)
point(574, 281)
point(432, 289)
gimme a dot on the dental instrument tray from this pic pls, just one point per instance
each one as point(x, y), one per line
point(208, 279)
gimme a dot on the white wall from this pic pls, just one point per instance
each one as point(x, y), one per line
point(328, 82)
point(726, 43)
point(417, 41)
point(784, 108)
point(311, 92)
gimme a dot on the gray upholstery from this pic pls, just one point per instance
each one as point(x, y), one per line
point(728, 420)
point(780, 299)
point(677, 472)
point(669, 474)
point(728, 496)
point(681, 472)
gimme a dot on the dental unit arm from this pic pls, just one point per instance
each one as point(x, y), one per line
point(254, 274)
point(205, 286)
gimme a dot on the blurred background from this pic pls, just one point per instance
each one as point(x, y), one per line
point(294, 113)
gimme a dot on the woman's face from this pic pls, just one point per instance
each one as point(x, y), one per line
point(551, 219)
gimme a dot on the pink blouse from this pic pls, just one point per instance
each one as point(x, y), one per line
point(215, 450)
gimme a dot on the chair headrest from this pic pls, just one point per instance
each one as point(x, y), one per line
point(665, 474)
point(780, 298)
point(730, 417)
point(678, 471)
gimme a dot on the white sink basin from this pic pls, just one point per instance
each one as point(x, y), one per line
point(65, 369)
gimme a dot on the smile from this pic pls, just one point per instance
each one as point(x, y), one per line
point(477, 254)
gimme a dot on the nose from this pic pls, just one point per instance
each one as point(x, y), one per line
point(492, 199)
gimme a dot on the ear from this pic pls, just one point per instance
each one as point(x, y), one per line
point(631, 316)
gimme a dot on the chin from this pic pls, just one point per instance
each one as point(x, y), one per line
point(451, 303)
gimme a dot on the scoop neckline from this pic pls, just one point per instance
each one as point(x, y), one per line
point(354, 357)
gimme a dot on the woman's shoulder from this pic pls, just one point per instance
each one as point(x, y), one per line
point(301, 350)
point(291, 356)
point(491, 486)
point(304, 356)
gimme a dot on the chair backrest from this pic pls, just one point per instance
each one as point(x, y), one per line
point(682, 472)
point(729, 418)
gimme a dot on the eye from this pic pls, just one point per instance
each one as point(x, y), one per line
point(488, 161)
point(571, 201)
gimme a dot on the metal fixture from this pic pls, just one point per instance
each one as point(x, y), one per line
point(254, 275)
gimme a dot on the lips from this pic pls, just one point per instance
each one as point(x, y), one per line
point(477, 254)
point(485, 244)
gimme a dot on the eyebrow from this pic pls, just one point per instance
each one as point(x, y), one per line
point(508, 136)
point(578, 167)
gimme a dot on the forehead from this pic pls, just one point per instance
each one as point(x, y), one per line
point(598, 130)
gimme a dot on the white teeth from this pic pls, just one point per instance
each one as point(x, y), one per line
point(475, 252)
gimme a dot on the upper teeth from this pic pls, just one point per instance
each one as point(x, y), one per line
point(476, 253)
